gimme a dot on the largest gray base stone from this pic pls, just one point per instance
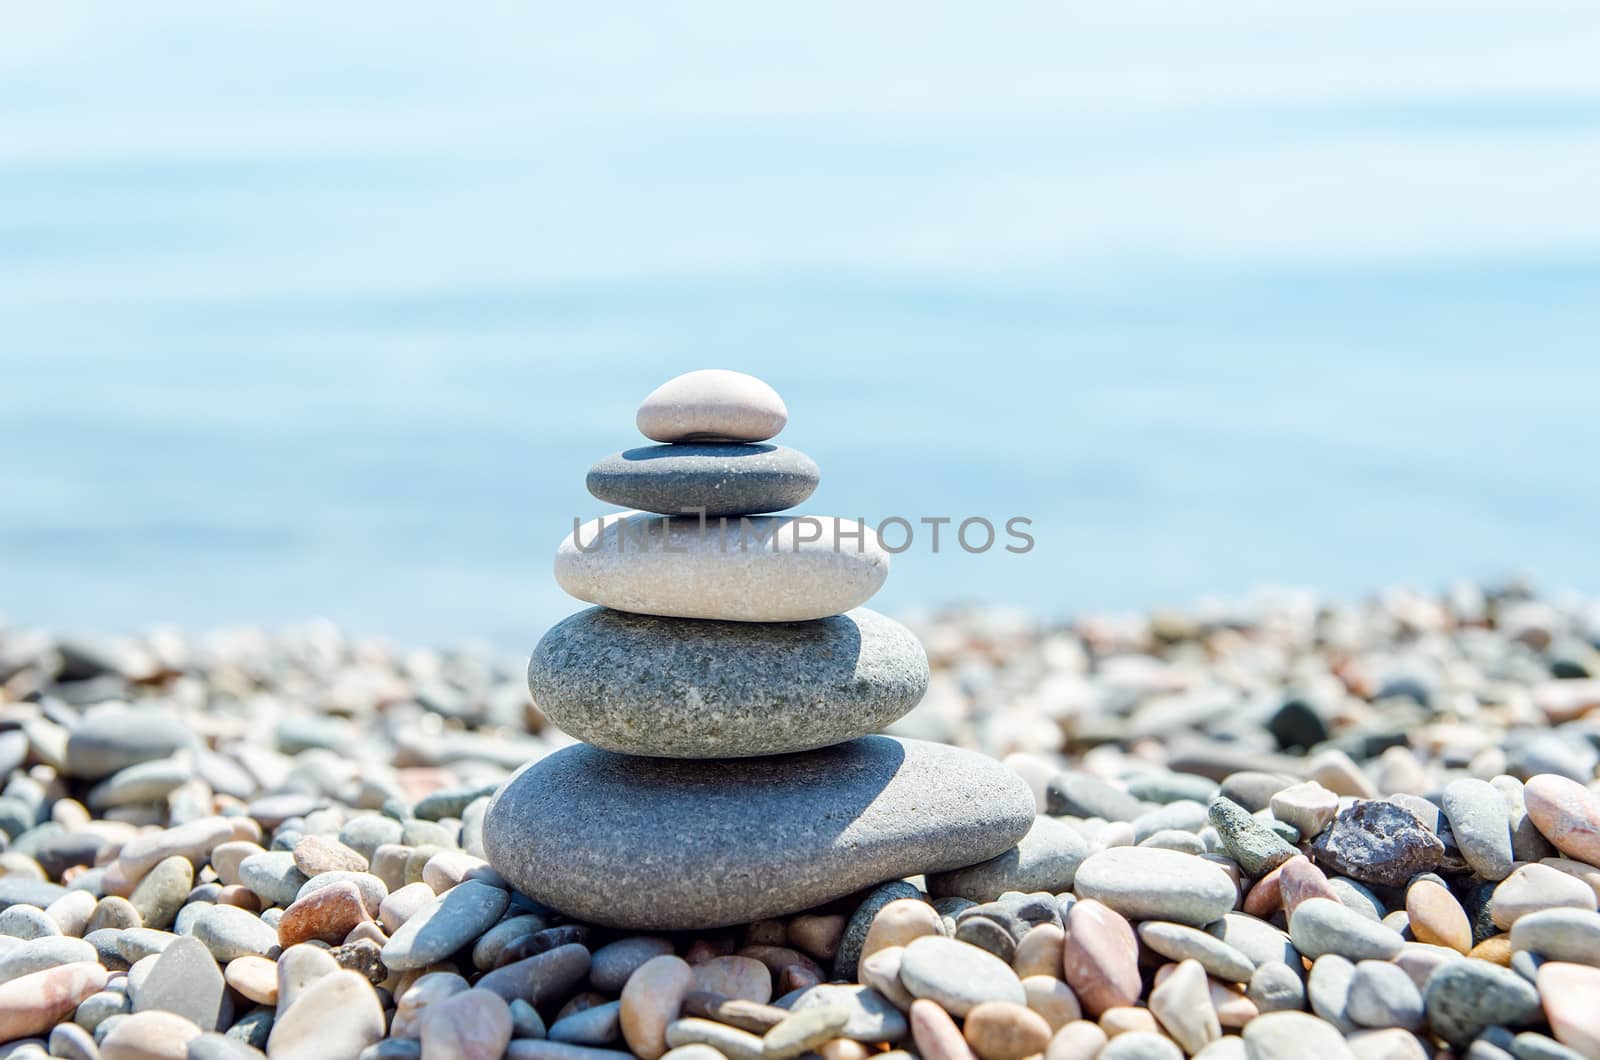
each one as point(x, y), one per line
point(666, 844)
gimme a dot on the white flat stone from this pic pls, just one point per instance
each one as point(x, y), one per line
point(754, 569)
point(712, 405)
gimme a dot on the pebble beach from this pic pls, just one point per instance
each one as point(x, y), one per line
point(738, 816)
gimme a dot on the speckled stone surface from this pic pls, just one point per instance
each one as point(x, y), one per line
point(667, 844)
point(721, 479)
point(689, 688)
point(759, 568)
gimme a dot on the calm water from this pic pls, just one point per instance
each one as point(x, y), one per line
point(327, 313)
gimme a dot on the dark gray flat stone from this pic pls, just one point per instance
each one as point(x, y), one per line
point(722, 479)
point(693, 688)
point(667, 844)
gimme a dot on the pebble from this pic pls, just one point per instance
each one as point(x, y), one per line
point(1145, 883)
point(31, 1004)
point(936, 1035)
point(36, 955)
point(731, 1042)
point(1294, 1036)
point(1002, 1030)
point(153, 1035)
point(1435, 916)
point(1100, 957)
point(1566, 813)
point(713, 480)
point(230, 932)
point(1140, 1045)
point(1256, 848)
point(186, 980)
point(255, 978)
point(596, 1025)
point(327, 913)
point(1481, 824)
point(869, 1016)
point(1307, 807)
point(112, 739)
point(712, 405)
point(572, 832)
point(471, 1025)
point(958, 976)
point(612, 964)
point(1321, 926)
point(1275, 987)
point(804, 1030)
point(1180, 942)
point(1382, 995)
point(1571, 935)
point(1531, 888)
point(445, 925)
point(1182, 1005)
point(1464, 996)
point(1052, 999)
point(163, 891)
point(332, 1018)
point(1044, 859)
point(1377, 841)
point(1568, 993)
point(651, 1002)
point(638, 684)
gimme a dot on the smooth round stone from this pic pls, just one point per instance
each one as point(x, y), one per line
point(153, 1035)
point(957, 976)
point(1148, 883)
point(1533, 888)
point(1046, 859)
point(230, 932)
point(1100, 957)
point(582, 829)
point(452, 920)
point(763, 568)
point(114, 738)
point(1382, 995)
point(1566, 813)
point(1180, 942)
point(681, 688)
point(1571, 935)
point(337, 1015)
point(1568, 992)
point(187, 981)
point(1294, 1036)
point(712, 405)
point(715, 480)
point(1321, 925)
point(1465, 996)
point(612, 964)
point(1481, 823)
point(472, 1025)
point(33, 1003)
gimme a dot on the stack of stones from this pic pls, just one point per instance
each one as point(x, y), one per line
point(725, 688)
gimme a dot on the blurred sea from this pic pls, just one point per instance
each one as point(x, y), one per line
point(325, 312)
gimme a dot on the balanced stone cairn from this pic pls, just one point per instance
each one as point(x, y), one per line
point(726, 688)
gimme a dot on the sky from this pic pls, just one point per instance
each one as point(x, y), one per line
point(326, 311)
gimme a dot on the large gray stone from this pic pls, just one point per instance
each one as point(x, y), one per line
point(719, 479)
point(688, 688)
point(667, 844)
